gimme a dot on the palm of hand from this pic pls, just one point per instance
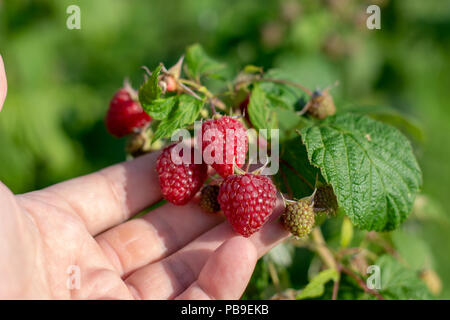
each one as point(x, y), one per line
point(81, 228)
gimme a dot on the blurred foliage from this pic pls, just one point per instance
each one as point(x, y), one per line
point(61, 81)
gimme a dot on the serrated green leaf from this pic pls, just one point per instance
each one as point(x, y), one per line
point(159, 109)
point(271, 112)
point(258, 108)
point(405, 123)
point(283, 95)
point(316, 286)
point(399, 282)
point(150, 89)
point(183, 114)
point(199, 64)
point(370, 165)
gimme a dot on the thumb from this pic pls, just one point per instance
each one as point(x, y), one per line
point(3, 84)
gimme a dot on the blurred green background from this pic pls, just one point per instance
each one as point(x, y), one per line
point(60, 81)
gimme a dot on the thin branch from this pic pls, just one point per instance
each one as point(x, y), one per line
point(322, 249)
point(286, 82)
point(213, 108)
point(188, 90)
point(147, 70)
point(336, 284)
point(361, 282)
point(289, 83)
point(274, 275)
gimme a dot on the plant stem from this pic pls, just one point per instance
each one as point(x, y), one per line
point(184, 83)
point(329, 260)
point(289, 83)
point(274, 275)
point(286, 82)
point(197, 87)
point(189, 91)
point(322, 249)
point(336, 285)
point(360, 282)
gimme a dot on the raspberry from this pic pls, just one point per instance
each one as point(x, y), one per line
point(179, 182)
point(125, 114)
point(321, 105)
point(208, 199)
point(247, 200)
point(298, 217)
point(325, 200)
point(215, 140)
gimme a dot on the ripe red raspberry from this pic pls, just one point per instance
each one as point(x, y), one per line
point(247, 200)
point(179, 182)
point(125, 114)
point(214, 139)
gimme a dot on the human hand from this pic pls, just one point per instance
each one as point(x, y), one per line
point(3, 85)
point(171, 252)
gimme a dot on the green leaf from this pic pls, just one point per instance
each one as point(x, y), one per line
point(315, 287)
point(200, 64)
point(404, 123)
point(295, 169)
point(150, 89)
point(159, 109)
point(258, 108)
point(268, 110)
point(282, 95)
point(413, 250)
point(183, 114)
point(370, 165)
point(399, 282)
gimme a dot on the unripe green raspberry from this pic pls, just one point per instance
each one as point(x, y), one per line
point(325, 200)
point(298, 217)
point(321, 105)
point(208, 199)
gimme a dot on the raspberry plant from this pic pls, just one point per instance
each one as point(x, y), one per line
point(351, 169)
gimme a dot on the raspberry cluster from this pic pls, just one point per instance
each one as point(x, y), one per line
point(246, 199)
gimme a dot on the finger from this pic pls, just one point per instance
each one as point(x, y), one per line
point(158, 234)
point(18, 243)
point(3, 83)
point(169, 277)
point(226, 273)
point(108, 197)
